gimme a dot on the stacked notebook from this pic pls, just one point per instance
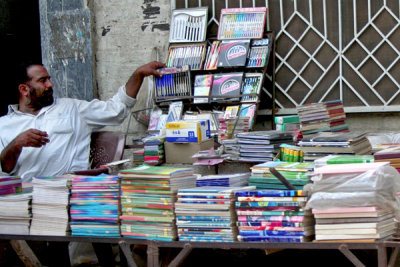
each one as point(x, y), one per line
point(342, 159)
point(287, 123)
point(354, 201)
point(231, 179)
point(15, 213)
point(390, 154)
point(325, 143)
point(147, 197)
point(322, 117)
point(261, 146)
point(138, 156)
point(154, 153)
point(94, 206)
point(207, 214)
point(353, 223)
point(50, 202)
point(10, 185)
point(297, 174)
point(273, 216)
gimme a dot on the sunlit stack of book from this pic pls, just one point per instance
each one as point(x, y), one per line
point(326, 116)
point(207, 214)
point(326, 143)
point(148, 194)
point(94, 206)
point(390, 154)
point(138, 157)
point(261, 146)
point(354, 201)
point(15, 213)
point(50, 203)
point(273, 216)
point(298, 174)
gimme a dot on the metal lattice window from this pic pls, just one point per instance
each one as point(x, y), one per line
point(329, 49)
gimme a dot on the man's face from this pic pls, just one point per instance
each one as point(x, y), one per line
point(40, 87)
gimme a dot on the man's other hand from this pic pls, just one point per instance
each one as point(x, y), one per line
point(31, 138)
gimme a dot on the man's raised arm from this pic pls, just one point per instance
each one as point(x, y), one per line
point(136, 79)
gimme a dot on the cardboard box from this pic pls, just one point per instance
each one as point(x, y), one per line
point(183, 152)
point(187, 131)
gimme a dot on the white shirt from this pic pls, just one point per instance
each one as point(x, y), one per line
point(69, 124)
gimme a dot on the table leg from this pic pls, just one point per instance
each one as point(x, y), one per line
point(382, 256)
point(350, 256)
point(25, 253)
point(187, 248)
point(393, 257)
point(125, 247)
point(153, 254)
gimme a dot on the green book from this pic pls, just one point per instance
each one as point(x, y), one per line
point(286, 119)
point(156, 171)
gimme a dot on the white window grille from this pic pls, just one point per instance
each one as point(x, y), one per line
point(329, 49)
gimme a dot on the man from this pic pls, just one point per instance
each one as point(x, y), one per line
point(46, 136)
point(43, 135)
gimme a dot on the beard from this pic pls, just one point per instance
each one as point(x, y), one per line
point(44, 99)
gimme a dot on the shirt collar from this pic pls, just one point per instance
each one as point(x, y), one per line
point(15, 108)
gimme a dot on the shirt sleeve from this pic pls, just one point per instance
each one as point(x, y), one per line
point(112, 112)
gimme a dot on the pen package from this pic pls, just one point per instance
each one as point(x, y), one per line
point(251, 85)
point(188, 25)
point(186, 54)
point(258, 53)
point(174, 82)
point(225, 85)
point(242, 23)
point(212, 56)
point(233, 53)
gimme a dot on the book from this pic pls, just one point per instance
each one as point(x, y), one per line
point(376, 213)
point(287, 119)
point(175, 111)
point(349, 168)
point(354, 225)
point(388, 153)
point(148, 171)
point(233, 53)
point(353, 236)
point(226, 85)
point(202, 87)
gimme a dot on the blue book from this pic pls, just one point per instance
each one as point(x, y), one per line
point(270, 233)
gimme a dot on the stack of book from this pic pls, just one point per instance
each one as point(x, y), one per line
point(297, 174)
point(231, 179)
point(154, 153)
point(322, 117)
point(138, 157)
point(94, 206)
point(287, 123)
point(50, 202)
point(10, 185)
point(15, 213)
point(148, 194)
point(390, 154)
point(354, 202)
point(366, 223)
point(273, 216)
point(343, 159)
point(325, 143)
point(253, 145)
point(207, 214)
point(232, 148)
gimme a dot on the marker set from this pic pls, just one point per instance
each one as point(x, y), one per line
point(212, 56)
point(242, 23)
point(225, 85)
point(252, 85)
point(258, 53)
point(187, 54)
point(174, 82)
point(233, 53)
point(188, 25)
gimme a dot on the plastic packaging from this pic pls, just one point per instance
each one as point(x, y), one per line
point(372, 188)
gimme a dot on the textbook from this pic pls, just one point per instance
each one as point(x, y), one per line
point(147, 171)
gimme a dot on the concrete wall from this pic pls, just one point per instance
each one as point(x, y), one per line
point(125, 36)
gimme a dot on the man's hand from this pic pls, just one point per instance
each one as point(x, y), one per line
point(30, 138)
point(150, 69)
point(136, 79)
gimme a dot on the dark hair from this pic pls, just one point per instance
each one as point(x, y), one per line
point(21, 72)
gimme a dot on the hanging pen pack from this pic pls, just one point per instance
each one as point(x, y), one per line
point(174, 82)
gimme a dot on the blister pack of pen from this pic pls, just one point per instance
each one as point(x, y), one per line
point(242, 23)
point(186, 54)
point(188, 25)
point(174, 82)
point(258, 53)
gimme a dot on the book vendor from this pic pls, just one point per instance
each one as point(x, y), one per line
point(44, 135)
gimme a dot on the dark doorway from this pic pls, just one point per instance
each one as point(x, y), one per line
point(20, 41)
